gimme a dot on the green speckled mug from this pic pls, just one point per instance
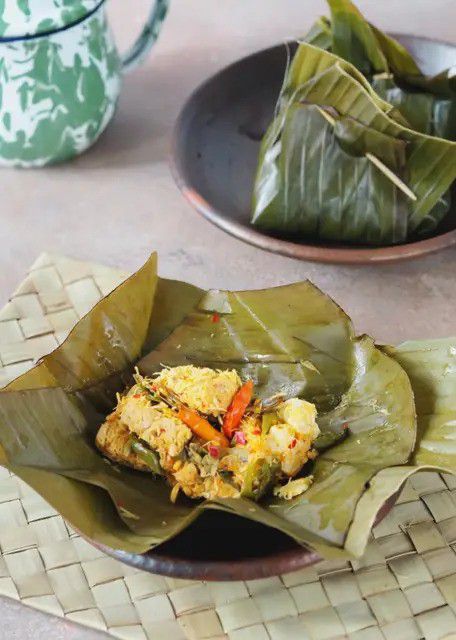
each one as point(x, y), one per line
point(60, 76)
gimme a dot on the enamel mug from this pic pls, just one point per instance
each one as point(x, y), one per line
point(60, 76)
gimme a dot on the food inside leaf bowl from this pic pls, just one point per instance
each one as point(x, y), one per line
point(339, 147)
point(248, 416)
point(203, 430)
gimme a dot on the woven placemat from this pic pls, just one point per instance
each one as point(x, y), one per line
point(403, 589)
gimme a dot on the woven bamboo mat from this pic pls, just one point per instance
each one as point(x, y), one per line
point(403, 589)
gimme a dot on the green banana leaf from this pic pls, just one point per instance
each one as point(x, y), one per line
point(399, 60)
point(349, 35)
point(366, 47)
point(354, 40)
point(417, 108)
point(427, 103)
point(320, 34)
point(292, 339)
point(431, 367)
point(309, 64)
point(332, 161)
point(308, 185)
point(424, 111)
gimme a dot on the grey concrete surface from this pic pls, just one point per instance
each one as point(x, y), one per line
point(118, 202)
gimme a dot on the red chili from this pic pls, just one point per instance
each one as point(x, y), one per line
point(216, 317)
point(214, 452)
point(201, 427)
point(137, 395)
point(256, 432)
point(292, 444)
point(236, 410)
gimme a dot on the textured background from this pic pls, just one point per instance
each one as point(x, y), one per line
point(118, 202)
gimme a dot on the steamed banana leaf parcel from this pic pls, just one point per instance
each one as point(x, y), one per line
point(428, 103)
point(339, 163)
point(166, 400)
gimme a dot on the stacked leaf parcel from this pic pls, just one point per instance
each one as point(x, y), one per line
point(361, 148)
point(383, 413)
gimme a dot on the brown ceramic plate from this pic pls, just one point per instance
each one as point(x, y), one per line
point(216, 143)
point(221, 547)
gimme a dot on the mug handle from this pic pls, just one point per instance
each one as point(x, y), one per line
point(148, 36)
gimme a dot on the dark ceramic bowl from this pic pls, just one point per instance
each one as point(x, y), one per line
point(222, 547)
point(216, 143)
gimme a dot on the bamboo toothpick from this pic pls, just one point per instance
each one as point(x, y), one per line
point(375, 161)
point(392, 176)
point(325, 114)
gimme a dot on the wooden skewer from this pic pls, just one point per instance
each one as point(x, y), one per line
point(375, 161)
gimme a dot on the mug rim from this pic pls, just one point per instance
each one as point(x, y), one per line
point(50, 32)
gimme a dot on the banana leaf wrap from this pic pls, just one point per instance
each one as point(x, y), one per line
point(427, 103)
point(293, 339)
point(315, 176)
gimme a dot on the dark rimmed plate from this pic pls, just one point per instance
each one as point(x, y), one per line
point(216, 142)
point(222, 547)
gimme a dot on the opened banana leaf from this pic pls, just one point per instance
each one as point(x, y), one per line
point(290, 339)
point(319, 175)
point(431, 367)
